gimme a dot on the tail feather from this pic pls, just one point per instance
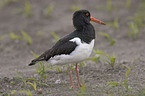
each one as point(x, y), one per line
point(40, 58)
point(33, 62)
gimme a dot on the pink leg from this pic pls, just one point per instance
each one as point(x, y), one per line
point(70, 76)
point(77, 71)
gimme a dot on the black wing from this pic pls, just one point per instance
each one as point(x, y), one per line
point(63, 46)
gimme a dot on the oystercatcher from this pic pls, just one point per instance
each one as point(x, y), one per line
point(74, 47)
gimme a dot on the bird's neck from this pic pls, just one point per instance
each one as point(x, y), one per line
point(87, 32)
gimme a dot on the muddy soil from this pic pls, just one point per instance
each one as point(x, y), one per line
point(17, 54)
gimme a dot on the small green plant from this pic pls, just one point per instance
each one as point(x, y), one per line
point(125, 83)
point(6, 2)
point(33, 85)
point(41, 69)
point(49, 9)
point(109, 5)
point(55, 36)
point(13, 36)
point(139, 17)
point(24, 80)
point(26, 37)
point(115, 23)
point(21, 78)
point(58, 69)
point(75, 7)
point(96, 58)
point(112, 41)
point(27, 92)
point(63, 68)
point(110, 60)
point(82, 90)
point(82, 64)
point(27, 9)
point(128, 3)
point(133, 30)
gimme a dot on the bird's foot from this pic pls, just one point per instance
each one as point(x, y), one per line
point(79, 85)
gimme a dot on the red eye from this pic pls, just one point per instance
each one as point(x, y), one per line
point(87, 14)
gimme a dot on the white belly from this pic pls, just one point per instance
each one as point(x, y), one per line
point(82, 52)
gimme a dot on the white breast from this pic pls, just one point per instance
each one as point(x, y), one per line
point(82, 52)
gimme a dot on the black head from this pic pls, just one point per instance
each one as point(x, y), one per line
point(83, 17)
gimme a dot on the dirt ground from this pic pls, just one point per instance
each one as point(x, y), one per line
point(16, 54)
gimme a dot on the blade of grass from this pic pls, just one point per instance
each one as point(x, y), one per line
point(109, 5)
point(128, 3)
point(114, 23)
point(13, 36)
point(75, 7)
point(56, 37)
point(26, 37)
point(33, 85)
point(49, 9)
point(105, 35)
point(27, 9)
point(28, 92)
point(112, 41)
point(133, 30)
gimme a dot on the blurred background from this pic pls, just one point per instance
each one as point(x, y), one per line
point(33, 26)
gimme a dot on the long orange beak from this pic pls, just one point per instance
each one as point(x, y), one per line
point(98, 21)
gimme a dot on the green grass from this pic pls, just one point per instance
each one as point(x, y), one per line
point(61, 69)
point(14, 36)
point(108, 38)
point(96, 58)
point(128, 3)
point(55, 36)
point(21, 78)
point(27, 9)
point(139, 17)
point(41, 69)
point(75, 7)
point(49, 10)
point(4, 3)
point(110, 59)
point(33, 85)
point(26, 37)
point(26, 92)
point(136, 21)
point(109, 5)
point(82, 90)
point(125, 83)
point(133, 30)
point(115, 23)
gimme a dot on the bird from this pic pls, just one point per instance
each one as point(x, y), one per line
point(74, 47)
